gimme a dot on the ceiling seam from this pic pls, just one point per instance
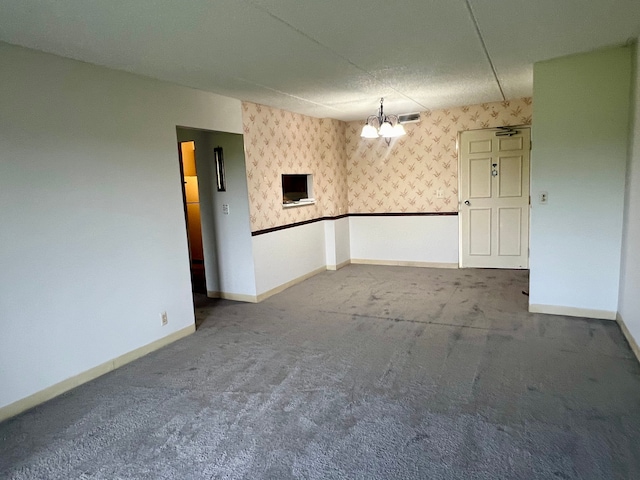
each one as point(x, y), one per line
point(300, 32)
point(484, 47)
point(287, 94)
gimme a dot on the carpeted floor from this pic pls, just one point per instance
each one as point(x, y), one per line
point(365, 373)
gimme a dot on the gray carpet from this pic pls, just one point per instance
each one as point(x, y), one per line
point(365, 373)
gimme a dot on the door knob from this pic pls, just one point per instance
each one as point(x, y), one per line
point(467, 203)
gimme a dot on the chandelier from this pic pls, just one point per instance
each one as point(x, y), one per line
point(381, 125)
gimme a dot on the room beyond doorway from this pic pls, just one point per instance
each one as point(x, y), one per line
point(191, 198)
point(220, 249)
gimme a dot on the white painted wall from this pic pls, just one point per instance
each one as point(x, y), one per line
point(92, 239)
point(337, 242)
point(233, 241)
point(330, 244)
point(629, 306)
point(343, 240)
point(419, 239)
point(286, 255)
point(580, 133)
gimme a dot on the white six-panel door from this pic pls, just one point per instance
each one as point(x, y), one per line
point(494, 199)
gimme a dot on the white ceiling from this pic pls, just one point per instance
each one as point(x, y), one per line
point(327, 58)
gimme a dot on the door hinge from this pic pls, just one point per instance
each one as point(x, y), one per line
point(530, 144)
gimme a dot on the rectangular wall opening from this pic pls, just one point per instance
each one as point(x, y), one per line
point(297, 189)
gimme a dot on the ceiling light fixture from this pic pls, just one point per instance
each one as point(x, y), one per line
point(381, 125)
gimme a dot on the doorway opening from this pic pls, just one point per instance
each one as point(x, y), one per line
point(213, 176)
point(191, 198)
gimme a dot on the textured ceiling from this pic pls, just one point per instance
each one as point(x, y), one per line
point(327, 58)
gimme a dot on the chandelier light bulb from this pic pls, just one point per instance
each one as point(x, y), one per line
point(369, 131)
point(386, 130)
point(398, 130)
point(388, 126)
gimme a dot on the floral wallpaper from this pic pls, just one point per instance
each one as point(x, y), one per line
point(419, 171)
point(277, 142)
point(416, 173)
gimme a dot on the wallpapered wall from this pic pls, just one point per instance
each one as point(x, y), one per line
point(277, 142)
point(406, 176)
point(356, 175)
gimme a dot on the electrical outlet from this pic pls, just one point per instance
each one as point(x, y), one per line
point(164, 318)
point(543, 198)
point(440, 193)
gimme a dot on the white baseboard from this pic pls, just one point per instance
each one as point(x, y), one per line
point(400, 263)
point(284, 286)
point(278, 289)
point(53, 391)
point(339, 266)
point(263, 296)
point(627, 334)
point(238, 297)
point(572, 311)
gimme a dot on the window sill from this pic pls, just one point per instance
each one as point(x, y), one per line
point(299, 203)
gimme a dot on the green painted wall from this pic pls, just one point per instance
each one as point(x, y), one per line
point(580, 138)
point(629, 306)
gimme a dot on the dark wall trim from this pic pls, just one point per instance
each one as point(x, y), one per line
point(400, 214)
point(320, 219)
point(297, 224)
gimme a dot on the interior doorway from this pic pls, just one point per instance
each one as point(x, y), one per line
point(221, 248)
point(191, 198)
point(494, 197)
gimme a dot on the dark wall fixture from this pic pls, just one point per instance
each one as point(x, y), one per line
point(217, 153)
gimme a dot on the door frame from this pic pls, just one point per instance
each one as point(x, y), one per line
point(459, 153)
